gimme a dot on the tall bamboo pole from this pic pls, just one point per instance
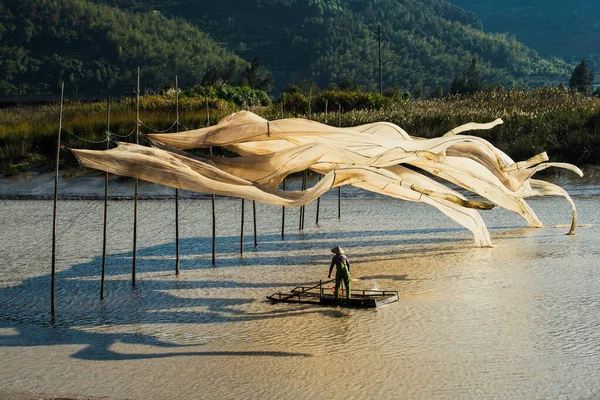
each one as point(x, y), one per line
point(302, 208)
point(214, 217)
point(254, 217)
point(177, 271)
point(283, 216)
point(339, 187)
point(105, 204)
point(136, 182)
point(318, 205)
point(53, 275)
point(214, 226)
point(242, 229)
point(339, 202)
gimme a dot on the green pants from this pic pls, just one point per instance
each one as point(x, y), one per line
point(342, 274)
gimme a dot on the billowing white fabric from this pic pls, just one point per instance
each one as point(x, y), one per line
point(368, 156)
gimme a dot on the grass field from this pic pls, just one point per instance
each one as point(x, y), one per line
point(563, 123)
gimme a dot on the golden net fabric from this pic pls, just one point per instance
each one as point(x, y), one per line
point(371, 157)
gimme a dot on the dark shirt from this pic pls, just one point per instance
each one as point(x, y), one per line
point(338, 260)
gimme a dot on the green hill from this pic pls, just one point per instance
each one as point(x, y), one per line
point(552, 27)
point(425, 41)
point(98, 46)
point(97, 49)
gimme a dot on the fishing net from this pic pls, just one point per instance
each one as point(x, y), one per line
point(379, 157)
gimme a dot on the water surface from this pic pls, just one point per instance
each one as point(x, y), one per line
point(519, 320)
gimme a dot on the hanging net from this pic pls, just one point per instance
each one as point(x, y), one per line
point(379, 157)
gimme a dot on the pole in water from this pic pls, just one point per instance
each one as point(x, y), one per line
point(102, 278)
point(214, 226)
point(242, 229)
point(53, 275)
point(136, 182)
point(283, 217)
point(254, 215)
point(177, 190)
point(318, 205)
point(304, 183)
point(339, 202)
point(300, 225)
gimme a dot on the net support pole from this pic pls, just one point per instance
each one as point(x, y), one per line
point(304, 184)
point(300, 221)
point(53, 263)
point(339, 202)
point(136, 182)
point(283, 216)
point(177, 271)
point(254, 217)
point(102, 278)
point(242, 229)
point(318, 206)
point(214, 224)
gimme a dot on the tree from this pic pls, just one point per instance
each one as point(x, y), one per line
point(582, 78)
point(258, 77)
point(470, 80)
point(437, 92)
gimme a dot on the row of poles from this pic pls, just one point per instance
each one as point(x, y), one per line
point(135, 204)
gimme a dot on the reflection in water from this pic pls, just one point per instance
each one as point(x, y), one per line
point(518, 320)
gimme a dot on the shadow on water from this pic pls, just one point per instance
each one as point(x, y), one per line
point(82, 317)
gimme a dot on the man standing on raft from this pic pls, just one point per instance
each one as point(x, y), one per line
point(342, 271)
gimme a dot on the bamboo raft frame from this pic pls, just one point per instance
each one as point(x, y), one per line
point(359, 298)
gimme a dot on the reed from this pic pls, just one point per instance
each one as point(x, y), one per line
point(564, 123)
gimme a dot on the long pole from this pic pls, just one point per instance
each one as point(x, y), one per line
point(380, 69)
point(176, 189)
point(283, 216)
point(339, 187)
point(53, 278)
point(136, 182)
point(105, 204)
point(214, 218)
point(214, 226)
point(300, 219)
point(242, 229)
point(254, 216)
point(318, 206)
point(339, 202)
point(304, 207)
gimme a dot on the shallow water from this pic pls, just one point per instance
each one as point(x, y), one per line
point(519, 320)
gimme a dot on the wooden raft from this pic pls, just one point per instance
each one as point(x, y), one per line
point(317, 294)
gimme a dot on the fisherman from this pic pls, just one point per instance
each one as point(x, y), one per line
point(342, 271)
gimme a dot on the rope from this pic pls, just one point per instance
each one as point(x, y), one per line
point(85, 140)
point(182, 125)
point(121, 136)
point(158, 131)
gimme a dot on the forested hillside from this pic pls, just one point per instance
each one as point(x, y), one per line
point(97, 49)
point(98, 46)
point(425, 41)
point(552, 27)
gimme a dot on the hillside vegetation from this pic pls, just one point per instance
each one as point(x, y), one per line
point(564, 123)
point(553, 28)
point(97, 49)
point(97, 46)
